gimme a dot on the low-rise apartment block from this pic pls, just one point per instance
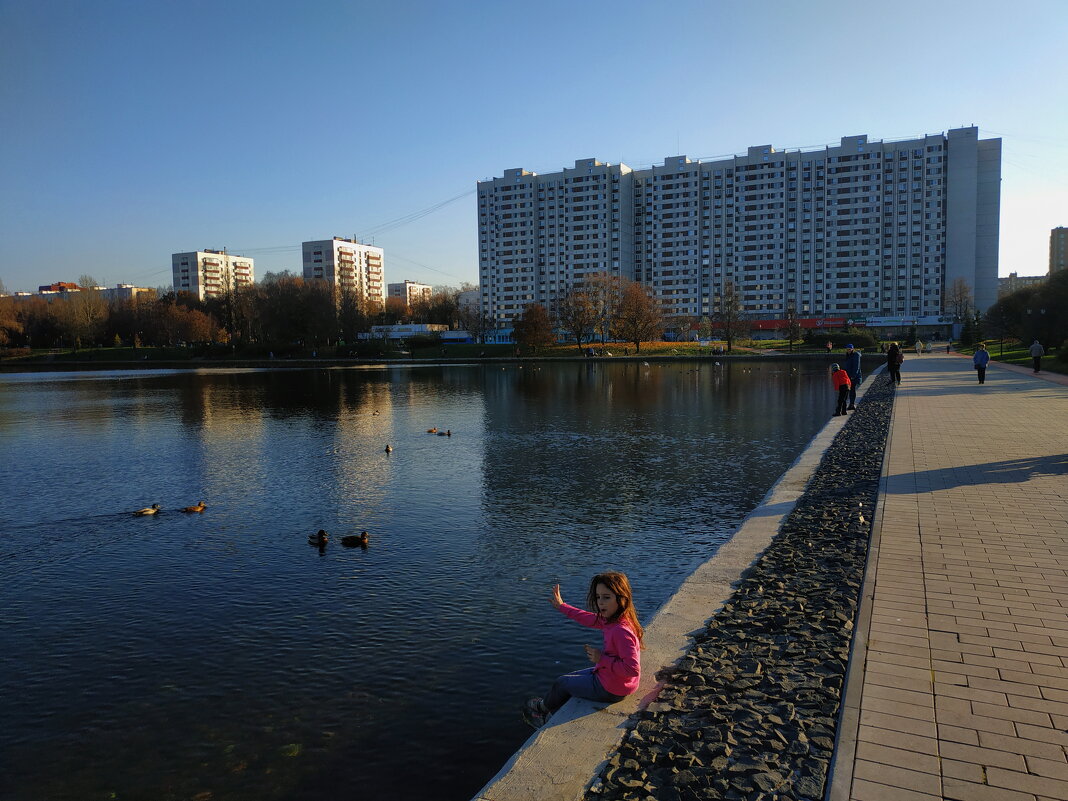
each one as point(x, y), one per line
point(211, 273)
point(347, 265)
point(856, 230)
point(410, 292)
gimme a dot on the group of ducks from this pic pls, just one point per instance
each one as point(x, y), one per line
point(321, 538)
point(446, 433)
point(154, 509)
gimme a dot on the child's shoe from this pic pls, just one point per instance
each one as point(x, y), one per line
point(535, 713)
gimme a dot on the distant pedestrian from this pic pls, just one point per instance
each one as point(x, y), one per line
point(1037, 352)
point(894, 358)
point(919, 346)
point(980, 361)
point(851, 364)
point(840, 379)
point(830, 347)
point(617, 665)
point(947, 347)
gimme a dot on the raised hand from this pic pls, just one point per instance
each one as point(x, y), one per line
point(555, 599)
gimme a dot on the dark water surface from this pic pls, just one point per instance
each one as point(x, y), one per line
point(219, 656)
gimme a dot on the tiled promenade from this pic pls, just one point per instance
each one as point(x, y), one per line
point(960, 690)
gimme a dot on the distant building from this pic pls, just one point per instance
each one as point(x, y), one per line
point(404, 331)
point(124, 292)
point(468, 299)
point(1058, 250)
point(347, 265)
point(863, 228)
point(1006, 286)
point(210, 273)
point(58, 286)
point(410, 292)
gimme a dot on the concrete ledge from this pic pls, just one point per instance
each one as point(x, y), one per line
point(559, 761)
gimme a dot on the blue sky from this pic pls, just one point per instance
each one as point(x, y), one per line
point(134, 129)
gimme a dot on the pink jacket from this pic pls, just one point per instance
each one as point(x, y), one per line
point(619, 670)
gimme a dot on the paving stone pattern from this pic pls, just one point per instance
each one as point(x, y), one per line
point(751, 711)
point(965, 686)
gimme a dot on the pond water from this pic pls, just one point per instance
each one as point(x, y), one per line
point(219, 656)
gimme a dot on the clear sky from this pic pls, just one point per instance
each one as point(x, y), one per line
point(133, 129)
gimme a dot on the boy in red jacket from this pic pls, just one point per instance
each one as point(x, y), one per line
point(841, 382)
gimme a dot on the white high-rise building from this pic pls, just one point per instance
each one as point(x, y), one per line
point(861, 230)
point(410, 291)
point(347, 265)
point(209, 273)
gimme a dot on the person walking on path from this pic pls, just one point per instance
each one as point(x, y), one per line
point(617, 666)
point(1037, 352)
point(840, 379)
point(980, 361)
point(894, 357)
point(851, 365)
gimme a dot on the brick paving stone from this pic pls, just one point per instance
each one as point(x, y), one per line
point(966, 663)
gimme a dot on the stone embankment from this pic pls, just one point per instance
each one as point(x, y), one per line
point(751, 710)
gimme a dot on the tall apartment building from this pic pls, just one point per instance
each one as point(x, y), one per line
point(209, 273)
point(860, 230)
point(1058, 250)
point(347, 265)
point(410, 291)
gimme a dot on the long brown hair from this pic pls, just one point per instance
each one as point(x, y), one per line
point(618, 585)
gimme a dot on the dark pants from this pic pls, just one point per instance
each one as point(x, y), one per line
point(1038, 362)
point(981, 370)
point(895, 372)
point(843, 396)
point(580, 684)
point(855, 382)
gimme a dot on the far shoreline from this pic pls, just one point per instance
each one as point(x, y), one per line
point(76, 365)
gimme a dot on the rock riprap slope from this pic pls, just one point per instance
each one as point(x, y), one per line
point(750, 712)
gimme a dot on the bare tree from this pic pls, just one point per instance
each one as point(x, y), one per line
point(728, 315)
point(793, 326)
point(639, 318)
point(605, 292)
point(958, 300)
point(474, 321)
point(577, 314)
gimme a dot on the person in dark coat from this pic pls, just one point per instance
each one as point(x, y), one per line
point(851, 364)
point(894, 357)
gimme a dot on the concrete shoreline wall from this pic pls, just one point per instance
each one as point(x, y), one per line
point(560, 760)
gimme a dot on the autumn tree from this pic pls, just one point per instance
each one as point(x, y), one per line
point(638, 317)
point(534, 327)
point(577, 314)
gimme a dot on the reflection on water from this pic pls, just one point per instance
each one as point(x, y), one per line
point(160, 658)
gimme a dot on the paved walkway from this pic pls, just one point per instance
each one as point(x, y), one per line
point(959, 689)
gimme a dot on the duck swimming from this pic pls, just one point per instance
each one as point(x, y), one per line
point(200, 507)
point(389, 449)
point(320, 538)
point(361, 540)
point(432, 430)
point(148, 510)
